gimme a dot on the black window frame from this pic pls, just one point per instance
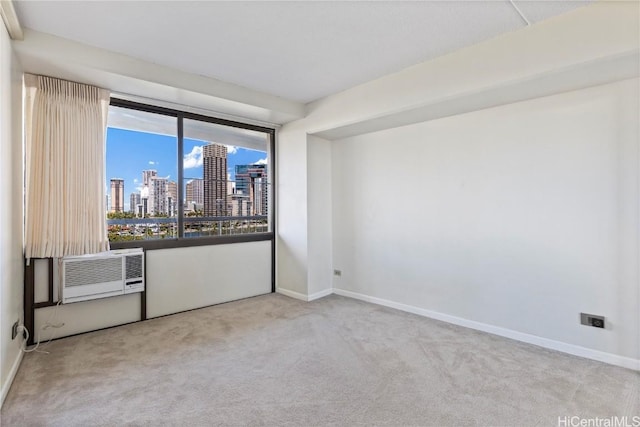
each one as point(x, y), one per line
point(181, 241)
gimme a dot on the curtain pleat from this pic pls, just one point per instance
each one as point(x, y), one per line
point(65, 127)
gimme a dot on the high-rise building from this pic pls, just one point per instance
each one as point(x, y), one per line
point(238, 204)
point(143, 207)
point(214, 161)
point(172, 194)
point(231, 185)
point(147, 175)
point(134, 201)
point(251, 180)
point(195, 192)
point(172, 189)
point(158, 196)
point(258, 195)
point(117, 195)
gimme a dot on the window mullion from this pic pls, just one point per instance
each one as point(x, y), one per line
point(180, 176)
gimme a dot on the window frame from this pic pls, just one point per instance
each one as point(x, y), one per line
point(180, 241)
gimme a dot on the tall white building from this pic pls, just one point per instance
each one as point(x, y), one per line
point(195, 192)
point(172, 198)
point(147, 175)
point(158, 196)
point(134, 201)
point(143, 208)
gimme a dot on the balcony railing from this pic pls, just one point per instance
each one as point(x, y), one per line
point(195, 226)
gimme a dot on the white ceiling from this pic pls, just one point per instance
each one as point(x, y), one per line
point(300, 51)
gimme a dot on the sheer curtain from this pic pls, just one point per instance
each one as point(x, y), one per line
point(65, 128)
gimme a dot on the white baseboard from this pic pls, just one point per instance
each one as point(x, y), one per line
point(320, 294)
point(292, 294)
point(303, 297)
point(612, 359)
point(12, 374)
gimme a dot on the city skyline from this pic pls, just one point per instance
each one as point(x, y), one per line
point(131, 152)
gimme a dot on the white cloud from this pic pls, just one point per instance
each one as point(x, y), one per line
point(261, 162)
point(194, 158)
point(135, 180)
point(232, 149)
point(151, 162)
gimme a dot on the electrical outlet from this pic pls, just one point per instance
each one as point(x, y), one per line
point(337, 272)
point(592, 320)
point(14, 329)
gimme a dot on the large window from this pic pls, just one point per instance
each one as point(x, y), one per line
point(177, 176)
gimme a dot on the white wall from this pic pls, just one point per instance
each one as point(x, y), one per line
point(86, 316)
point(520, 216)
point(319, 214)
point(304, 214)
point(291, 249)
point(186, 278)
point(11, 270)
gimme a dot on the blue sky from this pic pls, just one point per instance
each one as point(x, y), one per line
point(131, 152)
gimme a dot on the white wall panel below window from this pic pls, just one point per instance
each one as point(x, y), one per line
point(192, 277)
point(86, 316)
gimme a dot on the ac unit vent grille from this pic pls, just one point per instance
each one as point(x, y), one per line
point(134, 266)
point(88, 272)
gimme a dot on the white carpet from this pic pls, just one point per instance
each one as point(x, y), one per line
point(273, 360)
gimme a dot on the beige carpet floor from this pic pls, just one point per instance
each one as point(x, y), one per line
point(272, 360)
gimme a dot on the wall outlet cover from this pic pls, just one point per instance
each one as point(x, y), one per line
point(592, 320)
point(14, 329)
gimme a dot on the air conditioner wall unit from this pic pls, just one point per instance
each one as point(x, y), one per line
point(101, 275)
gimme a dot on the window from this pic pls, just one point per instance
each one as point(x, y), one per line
point(142, 163)
point(176, 176)
point(226, 180)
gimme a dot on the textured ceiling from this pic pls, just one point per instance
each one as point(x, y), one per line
point(300, 51)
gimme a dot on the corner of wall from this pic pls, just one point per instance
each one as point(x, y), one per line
point(6, 383)
point(319, 216)
point(304, 213)
point(11, 216)
point(291, 221)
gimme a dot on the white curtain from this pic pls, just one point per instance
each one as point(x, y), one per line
point(65, 128)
